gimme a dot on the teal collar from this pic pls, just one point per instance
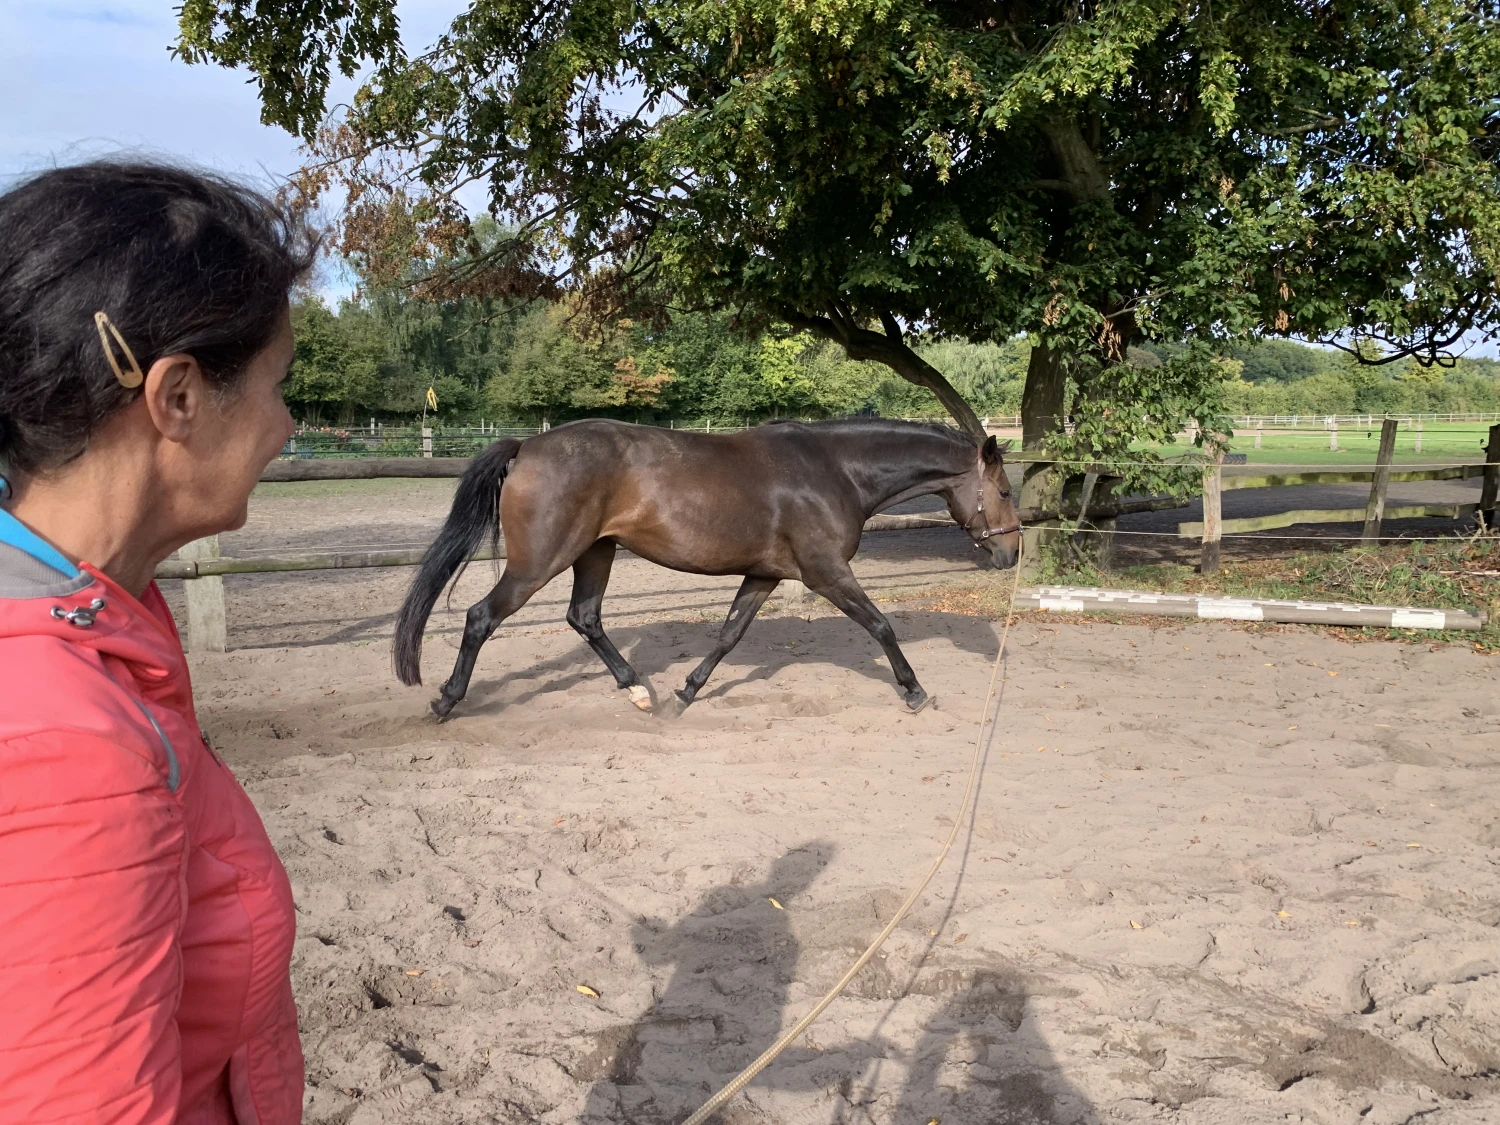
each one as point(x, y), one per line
point(14, 533)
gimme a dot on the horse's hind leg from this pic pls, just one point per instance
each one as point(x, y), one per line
point(753, 594)
point(510, 594)
point(840, 587)
point(590, 577)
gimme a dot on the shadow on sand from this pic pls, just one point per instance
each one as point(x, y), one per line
point(976, 1058)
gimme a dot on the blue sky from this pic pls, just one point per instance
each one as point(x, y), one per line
point(85, 78)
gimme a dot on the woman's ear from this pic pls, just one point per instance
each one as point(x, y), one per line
point(176, 395)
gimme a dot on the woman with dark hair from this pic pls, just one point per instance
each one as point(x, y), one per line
point(146, 923)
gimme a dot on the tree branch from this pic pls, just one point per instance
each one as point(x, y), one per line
point(888, 348)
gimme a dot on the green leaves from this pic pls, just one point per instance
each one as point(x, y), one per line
point(1092, 175)
point(291, 47)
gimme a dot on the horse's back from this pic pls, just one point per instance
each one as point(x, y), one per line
point(710, 503)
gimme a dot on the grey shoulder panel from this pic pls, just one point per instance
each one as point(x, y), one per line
point(22, 576)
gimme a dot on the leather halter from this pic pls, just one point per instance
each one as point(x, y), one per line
point(979, 511)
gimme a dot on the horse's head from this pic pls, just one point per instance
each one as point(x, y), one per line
point(981, 499)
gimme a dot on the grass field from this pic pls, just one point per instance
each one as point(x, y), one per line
point(1442, 443)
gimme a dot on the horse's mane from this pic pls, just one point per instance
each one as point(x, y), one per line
point(868, 422)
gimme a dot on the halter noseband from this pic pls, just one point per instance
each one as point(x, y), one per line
point(979, 511)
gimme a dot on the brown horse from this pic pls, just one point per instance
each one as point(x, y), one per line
point(785, 500)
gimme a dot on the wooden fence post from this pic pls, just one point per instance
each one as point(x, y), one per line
point(426, 441)
point(1213, 515)
point(1491, 490)
point(208, 623)
point(1375, 507)
point(1418, 448)
point(1257, 435)
point(795, 593)
point(1333, 435)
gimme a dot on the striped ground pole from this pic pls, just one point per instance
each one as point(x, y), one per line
point(1090, 599)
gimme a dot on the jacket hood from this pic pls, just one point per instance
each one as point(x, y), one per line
point(82, 606)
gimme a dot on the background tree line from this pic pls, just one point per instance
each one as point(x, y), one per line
point(530, 362)
point(534, 362)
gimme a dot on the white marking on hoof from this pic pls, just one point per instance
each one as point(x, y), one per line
point(640, 697)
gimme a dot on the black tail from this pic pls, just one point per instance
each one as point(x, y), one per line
point(475, 513)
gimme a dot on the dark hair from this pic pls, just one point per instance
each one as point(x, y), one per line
point(180, 261)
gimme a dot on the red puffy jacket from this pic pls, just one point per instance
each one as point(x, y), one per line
point(146, 923)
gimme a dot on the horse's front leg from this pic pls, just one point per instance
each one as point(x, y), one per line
point(839, 586)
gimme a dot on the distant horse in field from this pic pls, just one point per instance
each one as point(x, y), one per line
point(783, 500)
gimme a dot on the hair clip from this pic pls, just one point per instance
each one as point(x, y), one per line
point(129, 378)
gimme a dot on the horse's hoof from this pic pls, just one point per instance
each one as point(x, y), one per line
point(640, 697)
point(442, 709)
point(673, 706)
point(918, 699)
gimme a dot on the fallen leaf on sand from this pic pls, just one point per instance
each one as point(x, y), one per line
point(1292, 727)
point(1134, 925)
point(776, 904)
point(928, 777)
point(1039, 749)
point(932, 933)
point(1270, 665)
point(1372, 843)
point(959, 938)
point(558, 821)
point(587, 991)
point(1333, 673)
point(1351, 922)
point(415, 972)
point(934, 1121)
point(1413, 845)
point(1282, 914)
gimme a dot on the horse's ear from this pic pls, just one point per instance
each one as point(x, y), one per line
point(991, 450)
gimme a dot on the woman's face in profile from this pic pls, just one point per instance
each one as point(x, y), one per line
point(246, 433)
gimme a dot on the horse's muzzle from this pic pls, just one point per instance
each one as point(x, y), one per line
point(1003, 550)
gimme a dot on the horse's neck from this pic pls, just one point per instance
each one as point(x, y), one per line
point(887, 470)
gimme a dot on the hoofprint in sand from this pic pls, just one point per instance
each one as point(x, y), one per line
point(1213, 876)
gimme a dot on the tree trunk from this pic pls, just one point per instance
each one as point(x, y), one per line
point(1043, 396)
point(1042, 484)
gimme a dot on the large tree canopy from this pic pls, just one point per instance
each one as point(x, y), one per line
point(1087, 173)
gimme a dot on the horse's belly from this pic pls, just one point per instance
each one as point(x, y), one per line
point(706, 551)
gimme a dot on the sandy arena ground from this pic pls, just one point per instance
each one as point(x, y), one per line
point(1215, 875)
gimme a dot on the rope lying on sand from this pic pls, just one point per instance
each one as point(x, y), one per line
point(744, 1077)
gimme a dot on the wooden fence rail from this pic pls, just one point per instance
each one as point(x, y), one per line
point(202, 567)
point(1372, 514)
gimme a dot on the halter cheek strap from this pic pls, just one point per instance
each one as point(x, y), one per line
point(979, 511)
